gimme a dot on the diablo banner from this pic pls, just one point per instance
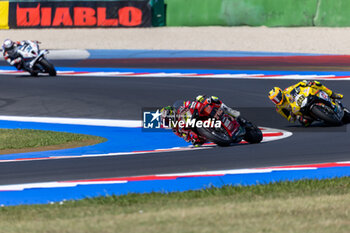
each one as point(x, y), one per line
point(80, 14)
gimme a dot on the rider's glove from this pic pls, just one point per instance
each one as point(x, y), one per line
point(241, 120)
point(15, 61)
point(336, 96)
point(200, 98)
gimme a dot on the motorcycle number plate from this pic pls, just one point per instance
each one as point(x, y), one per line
point(301, 100)
point(26, 51)
point(26, 48)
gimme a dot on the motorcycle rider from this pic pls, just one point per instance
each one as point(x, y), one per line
point(11, 55)
point(283, 100)
point(9, 50)
point(178, 111)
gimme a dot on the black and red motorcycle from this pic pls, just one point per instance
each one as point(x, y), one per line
point(213, 123)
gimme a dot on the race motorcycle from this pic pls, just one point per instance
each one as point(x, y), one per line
point(316, 105)
point(34, 60)
point(227, 133)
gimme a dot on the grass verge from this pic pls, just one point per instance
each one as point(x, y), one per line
point(28, 140)
point(302, 206)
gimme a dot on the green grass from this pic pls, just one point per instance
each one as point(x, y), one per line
point(13, 139)
point(302, 206)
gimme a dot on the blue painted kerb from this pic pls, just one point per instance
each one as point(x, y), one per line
point(47, 195)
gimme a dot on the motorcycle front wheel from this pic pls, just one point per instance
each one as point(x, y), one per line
point(48, 67)
point(253, 135)
point(326, 114)
point(346, 117)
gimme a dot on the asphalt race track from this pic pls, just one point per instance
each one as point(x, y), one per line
point(124, 98)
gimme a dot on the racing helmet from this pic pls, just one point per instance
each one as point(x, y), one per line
point(178, 104)
point(200, 98)
point(168, 115)
point(8, 44)
point(210, 99)
point(276, 95)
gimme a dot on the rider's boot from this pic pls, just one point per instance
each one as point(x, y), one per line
point(230, 111)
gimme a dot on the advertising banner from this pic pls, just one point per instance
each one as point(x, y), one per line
point(4, 14)
point(80, 14)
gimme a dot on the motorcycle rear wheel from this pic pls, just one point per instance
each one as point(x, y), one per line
point(49, 68)
point(219, 137)
point(325, 113)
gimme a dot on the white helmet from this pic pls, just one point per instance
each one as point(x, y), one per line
point(8, 44)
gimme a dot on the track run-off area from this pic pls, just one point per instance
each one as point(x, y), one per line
point(108, 102)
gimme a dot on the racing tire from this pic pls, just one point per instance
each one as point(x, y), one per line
point(34, 74)
point(253, 135)
point(213, 135)
point(346, 117)
point(326, 114)
point(49, 68)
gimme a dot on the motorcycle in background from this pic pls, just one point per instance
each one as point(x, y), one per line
point(34, 60)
